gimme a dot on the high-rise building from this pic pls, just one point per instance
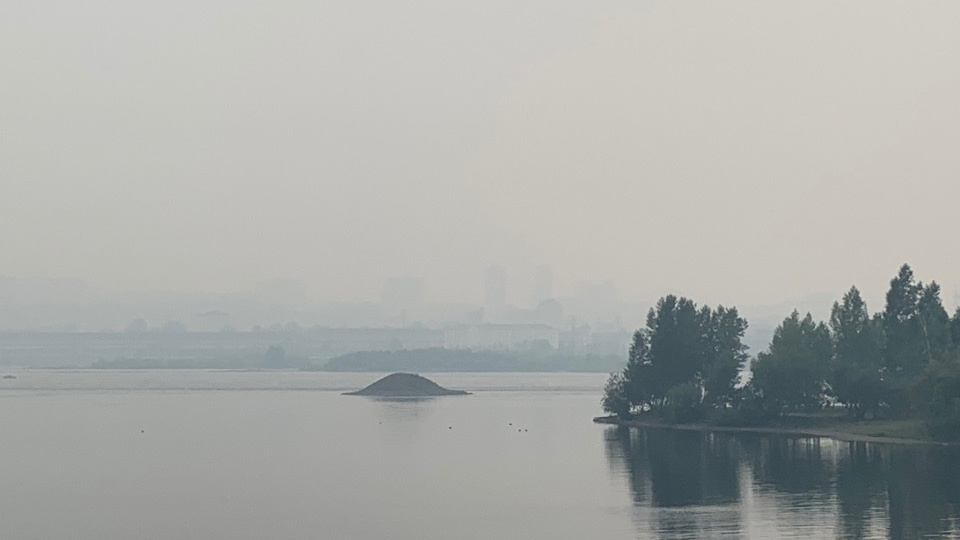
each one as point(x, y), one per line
point(542, 284)
point(495, 293)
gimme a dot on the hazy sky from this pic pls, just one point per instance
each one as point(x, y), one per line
point(742, 152)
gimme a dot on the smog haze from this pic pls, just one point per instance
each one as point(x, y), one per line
point(745, 155)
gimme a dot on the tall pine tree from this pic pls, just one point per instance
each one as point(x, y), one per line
point(901, 325)
point(934, 323)
point(856, 376)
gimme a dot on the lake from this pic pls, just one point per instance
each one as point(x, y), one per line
point(250, 455)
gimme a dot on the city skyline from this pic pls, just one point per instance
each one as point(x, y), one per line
point(759, 164)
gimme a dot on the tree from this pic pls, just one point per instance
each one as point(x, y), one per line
point(934, 323)
point(941, 395)
point(725, 355)
point(630, 388)
point(675, 334)
point(901, 325)
point(684, 344)
point(683, 403)
point(955, 329)
point(856, 372)
point(791, 374)
point(615, 396)
point(638, 373)
point(916, 331)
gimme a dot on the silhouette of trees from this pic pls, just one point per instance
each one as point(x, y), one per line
point(685, 363)
point(940, 392)
point(901, 324)
point(791, 375)
point(615, 399)
point(856, 370)
point(694, 355)
point(955, 329)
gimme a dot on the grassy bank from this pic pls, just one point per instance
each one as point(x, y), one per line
point(891, 431)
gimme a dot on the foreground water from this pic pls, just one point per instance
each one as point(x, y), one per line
point(234, 455)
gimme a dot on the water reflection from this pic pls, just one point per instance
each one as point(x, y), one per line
point(689, 484)
point(401, 416)
point(923, 487)
point(689, 479)
point(861, 491)
point(384, 399)
point(792, 465)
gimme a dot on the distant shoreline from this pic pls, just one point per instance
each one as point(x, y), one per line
point(835, 431)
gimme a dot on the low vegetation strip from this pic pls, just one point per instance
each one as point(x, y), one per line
point(879, 431)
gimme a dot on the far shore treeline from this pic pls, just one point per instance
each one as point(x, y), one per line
point(534, 359)
point(689, 363)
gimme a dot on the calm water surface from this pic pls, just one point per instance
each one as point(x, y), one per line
point(251, 455)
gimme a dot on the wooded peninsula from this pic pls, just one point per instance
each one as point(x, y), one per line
point(892, 374)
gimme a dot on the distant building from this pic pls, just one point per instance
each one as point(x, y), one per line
point(542, 284)
point(576, 338)
point(494, 293)
point(550, 313)
point(612, 342)
point(499, 336)
point(210, 321)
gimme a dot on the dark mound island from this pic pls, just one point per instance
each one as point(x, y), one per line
point(405, 385)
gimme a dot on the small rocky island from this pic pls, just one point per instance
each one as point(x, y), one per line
point(405, 385)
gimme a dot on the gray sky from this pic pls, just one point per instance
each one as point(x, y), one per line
point(744, 152)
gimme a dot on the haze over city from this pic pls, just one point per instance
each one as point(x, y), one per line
point(550, 269)
point(741, 156)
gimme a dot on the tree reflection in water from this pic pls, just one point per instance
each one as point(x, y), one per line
point(689, 479)
point(923, 488)
point(688, 484)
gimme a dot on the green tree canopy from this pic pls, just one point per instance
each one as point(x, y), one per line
point(934, 323)
point(683, 344)
point(940, 391)
point(856, 370)
point(901, 325)
point(791, 375)
point(955, 329)
point(725, 354)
